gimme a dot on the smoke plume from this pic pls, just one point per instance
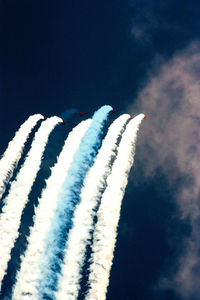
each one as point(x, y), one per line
point(170, 141)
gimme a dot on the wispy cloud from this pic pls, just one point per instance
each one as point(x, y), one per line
point(171, 99)
point(147, 21)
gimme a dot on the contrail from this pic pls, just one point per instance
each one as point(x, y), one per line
point(80, 234)
point(108, 214)
point(19, 191)
point(14, 150)
point(26, 281)
point(68, 198)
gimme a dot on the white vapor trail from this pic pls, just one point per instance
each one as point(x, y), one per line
point(108, 214)
point(19, 191)
point(14, 150)
point(26, 284)
point(80, 234)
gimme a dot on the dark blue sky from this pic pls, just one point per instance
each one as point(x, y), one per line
point(55, 55)
point(61, 54)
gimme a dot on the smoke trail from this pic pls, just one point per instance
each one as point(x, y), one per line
point(18, 195)
point(68, 113)
point(80, 234)
point(13, 153)
point(27, 277)
point(109, 212)
point(68, 198)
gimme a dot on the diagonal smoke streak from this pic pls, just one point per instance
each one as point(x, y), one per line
point(19, 191)
point(27, 277)
point(68, 198)
point(80, 234)
point(14, 150)
point(108, 214)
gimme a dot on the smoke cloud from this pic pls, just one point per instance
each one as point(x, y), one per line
point(94, 184)
point(19, 191)
point(68, 113)
point(170, 142)
point(67, 201)
point(26, 283)
point(14, 151)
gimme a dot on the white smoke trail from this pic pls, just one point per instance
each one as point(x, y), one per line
point(19, 191)
point(14, 150)
point(108, 214)
point(26, 284)
point(69, 197)
point(80, 234)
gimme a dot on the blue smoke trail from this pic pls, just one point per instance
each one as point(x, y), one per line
point(68, 198)
point(68, 113)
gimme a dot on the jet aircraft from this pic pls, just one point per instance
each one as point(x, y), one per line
point(145, 117)
point(114, 111)
point(81, 114)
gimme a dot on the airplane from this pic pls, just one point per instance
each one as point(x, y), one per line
point(63, 122)
point(81, 114)
point(145, 117)
point(114, 111)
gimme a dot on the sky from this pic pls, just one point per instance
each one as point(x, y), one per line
point(137, 56)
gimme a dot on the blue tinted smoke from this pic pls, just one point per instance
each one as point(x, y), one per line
point(68, 113)
point(68, 199)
